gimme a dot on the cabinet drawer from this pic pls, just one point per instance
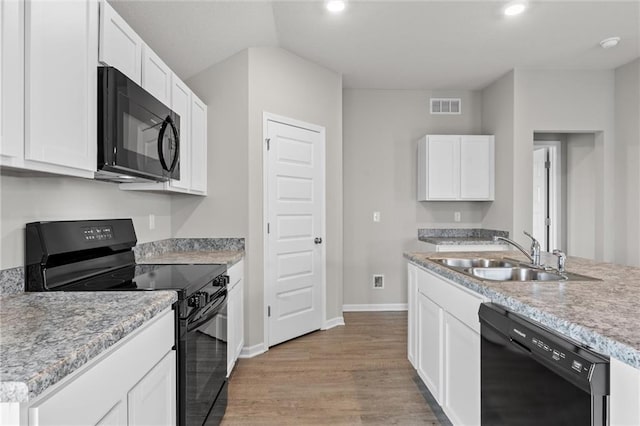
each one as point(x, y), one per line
point(454, 299)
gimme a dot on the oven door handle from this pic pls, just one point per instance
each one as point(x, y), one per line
point(208, 312)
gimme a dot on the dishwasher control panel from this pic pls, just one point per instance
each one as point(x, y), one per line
point(566, 359)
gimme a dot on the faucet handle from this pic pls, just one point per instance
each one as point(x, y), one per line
point(561, 259)
point(533, 240)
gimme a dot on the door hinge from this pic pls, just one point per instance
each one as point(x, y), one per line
point(269, 311)
point(268, 141)
point(547, 164)
point(547, 221)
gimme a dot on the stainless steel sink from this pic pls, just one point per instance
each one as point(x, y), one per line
point(507, 270)
point(476, 263)
point(514, 274)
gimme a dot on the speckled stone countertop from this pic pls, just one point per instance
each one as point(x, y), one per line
point(230, 257)
point(460, 236)
point(601, 314)
point(46, 336)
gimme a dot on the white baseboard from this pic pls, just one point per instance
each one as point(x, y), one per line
point(333, 322)
point(251, 351)
point(375, 307)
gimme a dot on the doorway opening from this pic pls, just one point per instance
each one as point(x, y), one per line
point(547, 193)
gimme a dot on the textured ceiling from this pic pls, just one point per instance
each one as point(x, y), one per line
point(393, 44)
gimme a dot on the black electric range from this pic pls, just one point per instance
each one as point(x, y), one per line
point(97, 255)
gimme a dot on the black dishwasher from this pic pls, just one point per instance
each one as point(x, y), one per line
point(533, 376)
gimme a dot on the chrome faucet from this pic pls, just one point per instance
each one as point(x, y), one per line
point(533, 256)
point(562, 258)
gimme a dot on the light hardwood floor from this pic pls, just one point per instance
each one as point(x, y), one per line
point(349, 375)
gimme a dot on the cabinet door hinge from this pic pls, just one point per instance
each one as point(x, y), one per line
point(547, 164)
point(268, 141)
point(269, 311)
point(547, 221)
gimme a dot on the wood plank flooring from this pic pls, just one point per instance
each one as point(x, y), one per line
point(350, 375)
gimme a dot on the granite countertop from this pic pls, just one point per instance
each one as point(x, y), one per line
point(601, 314)
point(230, 257)
point(461, 236)
point(46, 336)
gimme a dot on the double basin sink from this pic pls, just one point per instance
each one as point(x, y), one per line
point(507, 270)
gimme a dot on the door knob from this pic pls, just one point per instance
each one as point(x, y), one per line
point(318, 240)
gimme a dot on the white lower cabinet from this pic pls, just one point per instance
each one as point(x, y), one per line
point(448, 344)
point(134, 383)
point(235, 314)
point(412, 307)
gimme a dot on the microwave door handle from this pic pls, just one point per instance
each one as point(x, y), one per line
point(168, 122)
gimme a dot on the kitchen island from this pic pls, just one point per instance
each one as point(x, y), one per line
point(601, 314)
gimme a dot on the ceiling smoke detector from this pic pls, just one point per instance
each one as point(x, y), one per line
point(610, 42)
point(514, 8)
point(335, 6)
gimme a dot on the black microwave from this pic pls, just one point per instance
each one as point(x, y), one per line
point(138, 136)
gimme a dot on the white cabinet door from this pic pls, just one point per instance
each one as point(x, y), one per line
point(443, 167)
point(412, 296)
point(156, 76)
point(120, 46)
point(198, 145)
point(456, 167)
point(61, 53)
point(181, 104)
point(152, 400)
point(430, 346)
point(477, 168)
point(462, 372)
point(117, 416)
point(11, 80)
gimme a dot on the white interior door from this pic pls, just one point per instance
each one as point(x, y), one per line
point(295, 256)
point(540, 196)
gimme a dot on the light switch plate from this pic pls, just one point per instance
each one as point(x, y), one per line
point(456, 216)
point(376, 216)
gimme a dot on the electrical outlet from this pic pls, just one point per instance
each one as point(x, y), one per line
point(456, 216)
point(152, 221)
point(376, 216)
point(378, 281)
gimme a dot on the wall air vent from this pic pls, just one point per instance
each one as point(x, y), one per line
point(446, 106)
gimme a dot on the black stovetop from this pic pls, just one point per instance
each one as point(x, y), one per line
point(185, 279)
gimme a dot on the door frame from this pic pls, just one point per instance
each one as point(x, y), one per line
point(266, 117)
point(555, 191)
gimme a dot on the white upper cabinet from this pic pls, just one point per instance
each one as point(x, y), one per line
point(11, 81)
point(61, 52)
point(181, 104)
point(198, 145)
point(156, 77)
point(120, 46)
point(456, 167)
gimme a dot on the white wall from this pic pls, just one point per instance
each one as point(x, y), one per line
point(284, 84)
point(627, 163)
point(224, 212)
point(237, 92)
point(27, 199)
point(498, 115)
point(581, 195)
point(381, 129)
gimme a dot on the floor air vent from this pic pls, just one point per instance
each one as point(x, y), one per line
point(446, 106)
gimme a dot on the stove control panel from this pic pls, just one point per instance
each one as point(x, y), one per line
point(97, 233)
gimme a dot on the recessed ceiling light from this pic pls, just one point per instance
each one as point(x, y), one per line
point(335, 6)
point(514, 8)
point(610, 42)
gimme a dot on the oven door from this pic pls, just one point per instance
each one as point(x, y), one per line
point(138, 135)
point(204, 358)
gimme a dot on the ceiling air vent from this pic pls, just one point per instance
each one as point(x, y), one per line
point(446, 106)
